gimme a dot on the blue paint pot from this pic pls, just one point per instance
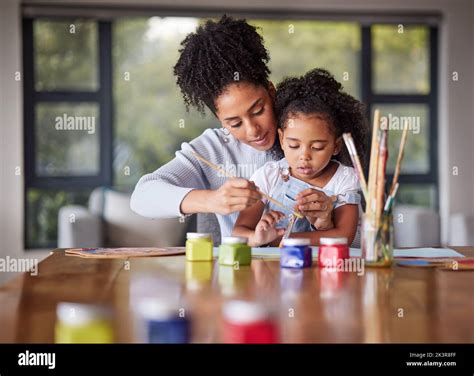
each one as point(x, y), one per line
point(164, 323)
point(174, 330)
point(296, 253)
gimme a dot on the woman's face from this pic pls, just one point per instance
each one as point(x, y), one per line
point(246, 110)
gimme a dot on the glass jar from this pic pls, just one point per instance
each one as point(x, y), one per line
point(377, 241)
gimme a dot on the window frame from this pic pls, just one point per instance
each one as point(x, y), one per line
point(102, 97)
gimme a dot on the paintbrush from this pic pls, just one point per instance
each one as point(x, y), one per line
point(391, 199)
point(289, 229)
point(374, 157)
point(356, 162)
point(399, 158)
point(381, 167)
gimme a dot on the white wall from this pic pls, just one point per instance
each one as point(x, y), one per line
point(11, 131)
point(456, 126)
point(456, 103)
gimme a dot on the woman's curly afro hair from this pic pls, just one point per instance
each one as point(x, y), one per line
point(317, 92)
point(212, 57)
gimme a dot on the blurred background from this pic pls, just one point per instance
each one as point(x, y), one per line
point(111, 61)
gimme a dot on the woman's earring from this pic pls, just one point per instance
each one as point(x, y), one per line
point(285, 174)
point(226, 133)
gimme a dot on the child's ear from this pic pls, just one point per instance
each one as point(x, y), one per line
point(271, 90)
point(338, 147)
point(280, 136)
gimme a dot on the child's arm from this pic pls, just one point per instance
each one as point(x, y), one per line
point(258, 229)
point(345, 220)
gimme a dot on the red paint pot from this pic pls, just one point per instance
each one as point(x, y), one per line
point(331, 250)
point(248, 322)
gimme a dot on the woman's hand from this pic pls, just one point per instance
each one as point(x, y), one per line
point(317, 207)
point(266, 231)
point(234, 195)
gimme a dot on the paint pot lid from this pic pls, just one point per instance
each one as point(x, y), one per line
point(156, 309)
point(234, 240)
point(244, 312)
point(291, 242)
point(333, 241)
point(77, 314)
point(198, 235)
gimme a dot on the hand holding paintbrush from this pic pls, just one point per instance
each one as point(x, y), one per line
point(229, 175)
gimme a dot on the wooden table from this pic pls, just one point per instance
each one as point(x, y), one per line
point(396, 305)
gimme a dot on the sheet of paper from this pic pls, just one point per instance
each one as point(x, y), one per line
point(356, 252)
point(427, 252)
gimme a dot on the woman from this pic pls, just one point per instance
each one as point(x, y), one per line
point(223, 66)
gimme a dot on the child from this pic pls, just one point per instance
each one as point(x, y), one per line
point(313, 112)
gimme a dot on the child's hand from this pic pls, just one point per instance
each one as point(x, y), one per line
point(317, 207)
point(266, 231)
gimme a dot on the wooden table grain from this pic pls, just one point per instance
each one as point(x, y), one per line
point(395, 305)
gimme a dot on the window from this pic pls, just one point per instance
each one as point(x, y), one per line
point(65, 55)
point(102, 107)
point(400, 70)
point(151, 120)
point(294, 49)
point(67, 111)
point(147, 110)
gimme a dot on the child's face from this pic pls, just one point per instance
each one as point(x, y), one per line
point(309, 143)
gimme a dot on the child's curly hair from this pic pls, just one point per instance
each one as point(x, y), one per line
point(319, 92)
point(210, 58)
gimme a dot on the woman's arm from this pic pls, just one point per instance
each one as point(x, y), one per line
point(345, 220)
point(181, 186)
